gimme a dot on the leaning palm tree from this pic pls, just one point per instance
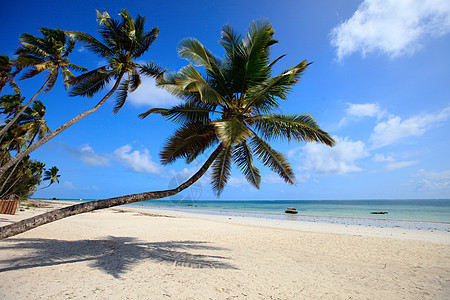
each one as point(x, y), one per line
point(229, 108)
point(44, 54)
point(124, 42)
point(232, 105)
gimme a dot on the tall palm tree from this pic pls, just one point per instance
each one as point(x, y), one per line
point(232, 104)
point(124, 41)
point(6, 73)
point(229, 107)
point(48, 53)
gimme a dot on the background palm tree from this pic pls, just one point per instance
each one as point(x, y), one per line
point(11, 104)
point(51, 175)
point(48, 53)
point(124, 41)
point(7, 74)
point(232, 107)
point(29, 126)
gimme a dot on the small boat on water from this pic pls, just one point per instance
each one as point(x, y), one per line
point(291, 210)
point(379, 212)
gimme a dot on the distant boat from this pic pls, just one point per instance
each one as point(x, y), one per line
point(378, 212)
point(291, 210)
point(54, 198)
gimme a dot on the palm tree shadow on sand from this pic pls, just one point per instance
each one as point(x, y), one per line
point(113, 255)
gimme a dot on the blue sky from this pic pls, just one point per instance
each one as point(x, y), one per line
point(380, 85)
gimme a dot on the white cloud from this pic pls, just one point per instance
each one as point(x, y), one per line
point(236, 181)
point(68, 185)
point(87, 155)
point(393, 27)
point(149, 95)
point(355, 112)
point(400, 164)
point(394, 129)
point(272, 178)
point(382, 158)
point(391, 163)
point(337, 160)
point(138, 161)
point(364, 110)
point(432, 181)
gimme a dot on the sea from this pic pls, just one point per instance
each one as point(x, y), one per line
point(430, 214)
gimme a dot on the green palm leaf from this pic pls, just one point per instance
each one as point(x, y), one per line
point(231, 131)
point(186, 112)
point(242, 156)
point(299, 127)
point(122, 94)
point(188, 142)
point(91, 84)
point(273, 159)
point(221, 170)
point(191, 81)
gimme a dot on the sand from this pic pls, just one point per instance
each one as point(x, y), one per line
point(126, 253)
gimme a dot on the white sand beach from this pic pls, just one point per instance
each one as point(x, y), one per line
point(127, 253)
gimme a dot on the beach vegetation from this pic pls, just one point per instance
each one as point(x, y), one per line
point(24, 176)
point(228, 104)
point(122, 42)
point(7, 73)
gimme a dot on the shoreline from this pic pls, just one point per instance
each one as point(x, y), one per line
point(134, 253)
point(366, 222)
point(433, 232)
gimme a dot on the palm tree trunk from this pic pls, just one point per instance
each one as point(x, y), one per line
point(10, 187)
point(57, 131)
point(9, 176)
point(30, 223)
point(17, 115)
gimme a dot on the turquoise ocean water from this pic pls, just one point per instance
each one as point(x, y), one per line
point(432, 210)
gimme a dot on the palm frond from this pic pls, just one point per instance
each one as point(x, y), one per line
point(122, 94)
point(272, 158)
point(190, 139)
point(184, 113)
point(264, 95)
point(242, 156)
point(75, 67)
point(151, 69)
point(221, 170)
point(299, 127)
point(91, 84)
point(168, 81)
point(231, 131)
point(145, 41)
point(229, 40)
point(192, 50)
point(191, 81)
point(53, 77)
point(30, 73)
point(91, 43)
